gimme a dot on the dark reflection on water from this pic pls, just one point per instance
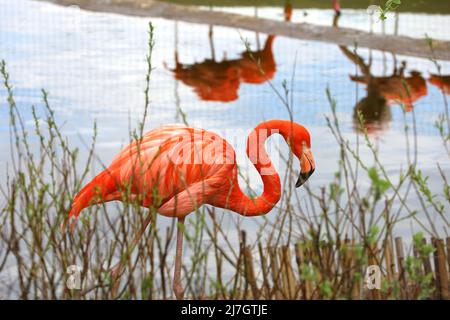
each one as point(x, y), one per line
point(220, 80)
point(214, 80)
point(441, 81)
point(382, 91)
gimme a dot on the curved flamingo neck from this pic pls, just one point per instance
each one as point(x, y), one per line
point(257, 154)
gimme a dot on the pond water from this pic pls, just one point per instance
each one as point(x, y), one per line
point(93, 66)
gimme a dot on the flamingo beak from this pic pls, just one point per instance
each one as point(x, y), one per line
point(307, 167)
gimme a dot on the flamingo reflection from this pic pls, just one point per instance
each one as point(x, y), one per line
point(383, 91)
point(214, 80)
point(211, 80)
point(398, 88)
point(374, 106)
point(442, 82)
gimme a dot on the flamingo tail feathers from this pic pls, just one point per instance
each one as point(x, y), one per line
point(102, 188)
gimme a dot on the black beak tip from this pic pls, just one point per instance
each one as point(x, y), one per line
point(303, 178)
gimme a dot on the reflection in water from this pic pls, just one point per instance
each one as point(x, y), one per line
point(374, 106)
point(442, 82)
point(220, 80)
point(257, 66)
point(211, 80)
point(383, 91)
point(398, 88)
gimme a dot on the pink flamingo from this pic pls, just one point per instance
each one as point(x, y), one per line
point(176, 169)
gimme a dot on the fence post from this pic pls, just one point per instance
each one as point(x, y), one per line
point(274, 267)
point(250, 272)
point(287, 274)
point(441, 269)
point(401, 268)
point(390, 264)
point(448, 254)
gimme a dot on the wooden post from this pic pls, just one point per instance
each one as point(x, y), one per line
point(401, 268)
point(426, 261)
point(448, 253)
point(389, 259)
point(250, 272)
point(390, 264)
point(328, 254)
point(346, 265)
point(287, 273)
point(441, 269)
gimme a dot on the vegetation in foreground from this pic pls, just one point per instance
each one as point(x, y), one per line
point(318, 248)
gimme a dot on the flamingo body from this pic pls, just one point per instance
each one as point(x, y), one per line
point(178, 162)
point(176, 169)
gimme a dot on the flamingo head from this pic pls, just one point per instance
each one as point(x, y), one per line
point(301, 147)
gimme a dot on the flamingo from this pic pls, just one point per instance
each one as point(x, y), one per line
point(175, 169)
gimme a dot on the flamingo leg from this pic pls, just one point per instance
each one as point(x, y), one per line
point(177, 287)
point(117, 269)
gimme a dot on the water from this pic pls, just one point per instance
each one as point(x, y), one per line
point(93, 66)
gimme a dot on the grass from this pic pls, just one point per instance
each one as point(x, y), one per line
point(332, 233)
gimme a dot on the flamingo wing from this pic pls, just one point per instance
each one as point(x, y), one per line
point(174, 168)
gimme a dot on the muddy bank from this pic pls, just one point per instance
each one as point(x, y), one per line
point(340, 36)
point(423, 6)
